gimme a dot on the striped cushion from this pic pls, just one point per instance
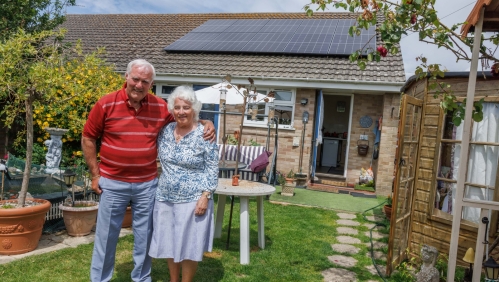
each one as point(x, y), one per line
point(247, 155)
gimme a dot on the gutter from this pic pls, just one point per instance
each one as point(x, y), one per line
point(295, 82)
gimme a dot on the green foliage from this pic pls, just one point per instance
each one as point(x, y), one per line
point(7, 206)
point(251, 142)
point(53, 85)
point(281, 179)
point(231, 140)
point(290, 174)
point(39, 152)
point(400, 18)
point(32, 16)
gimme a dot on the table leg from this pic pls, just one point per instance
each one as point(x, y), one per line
point(244, 230)
point(261, 222)
point(220, 216)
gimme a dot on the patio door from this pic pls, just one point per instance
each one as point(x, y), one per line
point(404, 186)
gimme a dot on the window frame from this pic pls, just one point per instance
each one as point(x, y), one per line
point(264, 122)
point(437, 214)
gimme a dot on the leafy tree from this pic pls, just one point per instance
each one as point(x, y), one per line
point(399, 18)
point(31, 15)
point(51, 84)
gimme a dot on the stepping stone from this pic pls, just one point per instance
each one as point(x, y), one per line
point(342, 260)
point(376, 235)
point(338, 275)
point(373, 271)
point(377, 255)
point(347, 230)
point(347, 216)
point(345, 248)
point(347, 222)
point(371, 218)
point(369, 225)
point(377, 245)
point(348, 240)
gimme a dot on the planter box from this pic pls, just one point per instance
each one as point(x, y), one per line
point(80, 220)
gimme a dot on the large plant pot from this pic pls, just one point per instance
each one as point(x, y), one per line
point(21, 228)
point(288, 191)
point(80, 220)
point(127, 220)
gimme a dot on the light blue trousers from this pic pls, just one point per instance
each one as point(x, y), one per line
point(113, 202)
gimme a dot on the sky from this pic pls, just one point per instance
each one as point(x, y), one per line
point(410, 45)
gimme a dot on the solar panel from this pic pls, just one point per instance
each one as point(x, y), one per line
point(305, 36)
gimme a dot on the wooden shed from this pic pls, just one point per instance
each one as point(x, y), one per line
point(427, 162)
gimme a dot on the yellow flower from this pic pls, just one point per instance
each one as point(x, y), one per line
point(63, 140)
point(79, 153)
point(48, 115)
point(45, 124)
point(39, 139)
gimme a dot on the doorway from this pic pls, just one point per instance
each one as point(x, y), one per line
point(332, 154)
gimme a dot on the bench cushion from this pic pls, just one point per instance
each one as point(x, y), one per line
point(247, 155)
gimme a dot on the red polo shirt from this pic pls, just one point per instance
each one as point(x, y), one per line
point(128, 149)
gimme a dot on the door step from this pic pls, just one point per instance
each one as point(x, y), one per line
point(340, 190)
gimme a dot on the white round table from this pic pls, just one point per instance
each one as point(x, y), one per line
point(245, 190)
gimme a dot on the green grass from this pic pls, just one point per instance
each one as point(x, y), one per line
point(339, 202)
point(298, 242)
point(364, 188)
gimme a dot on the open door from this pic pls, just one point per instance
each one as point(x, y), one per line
point(404, 185)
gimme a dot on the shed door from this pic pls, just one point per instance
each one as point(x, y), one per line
point(404, 188)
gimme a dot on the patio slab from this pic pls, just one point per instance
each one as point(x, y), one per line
point(347, 230)
point(347, 222)
point(348, 240)
point(343, 261)
point(343, 215)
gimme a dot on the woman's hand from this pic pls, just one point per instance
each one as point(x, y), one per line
point(201, 205)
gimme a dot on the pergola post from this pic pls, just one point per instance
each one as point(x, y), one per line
point(464, 154)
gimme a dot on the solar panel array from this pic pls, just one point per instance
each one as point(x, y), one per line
point(307, 36)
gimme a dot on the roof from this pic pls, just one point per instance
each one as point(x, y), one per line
point(490, 19)
point(448, 75)
point(127, 37)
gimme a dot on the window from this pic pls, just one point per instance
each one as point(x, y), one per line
point(482, 164)
point(165, 90)
point(284, 109)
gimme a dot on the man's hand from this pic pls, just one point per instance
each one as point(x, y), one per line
point(95, 185)
point(209, 130)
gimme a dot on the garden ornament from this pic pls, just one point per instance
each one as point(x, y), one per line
point(428, 272)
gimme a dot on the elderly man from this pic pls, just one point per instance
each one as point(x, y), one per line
point(128, 122)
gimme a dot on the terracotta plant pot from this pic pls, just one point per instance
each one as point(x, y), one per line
point(80, 220)
point(21, 228)
point(289, 180)
point(235, 180)
point(127, 220)
point(388, 211)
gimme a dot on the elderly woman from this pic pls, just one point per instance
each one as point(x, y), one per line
point(183, 212)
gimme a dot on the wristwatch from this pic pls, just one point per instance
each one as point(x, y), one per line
point(207, 195)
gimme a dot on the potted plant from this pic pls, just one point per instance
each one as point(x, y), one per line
point(388, 207)
point(290, 177)
point(79, 216)
point(286, 190)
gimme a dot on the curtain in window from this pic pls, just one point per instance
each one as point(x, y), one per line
point(483, 160)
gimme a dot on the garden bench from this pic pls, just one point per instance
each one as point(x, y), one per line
point(247, 155)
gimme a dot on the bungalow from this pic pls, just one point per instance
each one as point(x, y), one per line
point(347, 106)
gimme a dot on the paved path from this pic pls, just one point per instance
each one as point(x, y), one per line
point(57, 241)
point(348, 245)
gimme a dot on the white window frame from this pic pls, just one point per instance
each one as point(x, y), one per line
point(159, 90)
point(276, 103)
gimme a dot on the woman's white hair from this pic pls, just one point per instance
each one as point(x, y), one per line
point(141, 63)
point(187, 94)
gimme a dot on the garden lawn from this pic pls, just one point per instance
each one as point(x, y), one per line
point(298, 242)
point(338, 202)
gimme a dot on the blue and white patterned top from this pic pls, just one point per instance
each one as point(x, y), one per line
point(189, 167)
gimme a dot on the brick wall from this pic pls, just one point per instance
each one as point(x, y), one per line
point(388, 144)
point(288, 155)
point(363, 105)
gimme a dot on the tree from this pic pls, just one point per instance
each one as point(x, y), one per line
point(419, 16)
point(44, 80)
point(31, 15)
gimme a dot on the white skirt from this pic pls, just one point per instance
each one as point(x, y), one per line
point(180, 234)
